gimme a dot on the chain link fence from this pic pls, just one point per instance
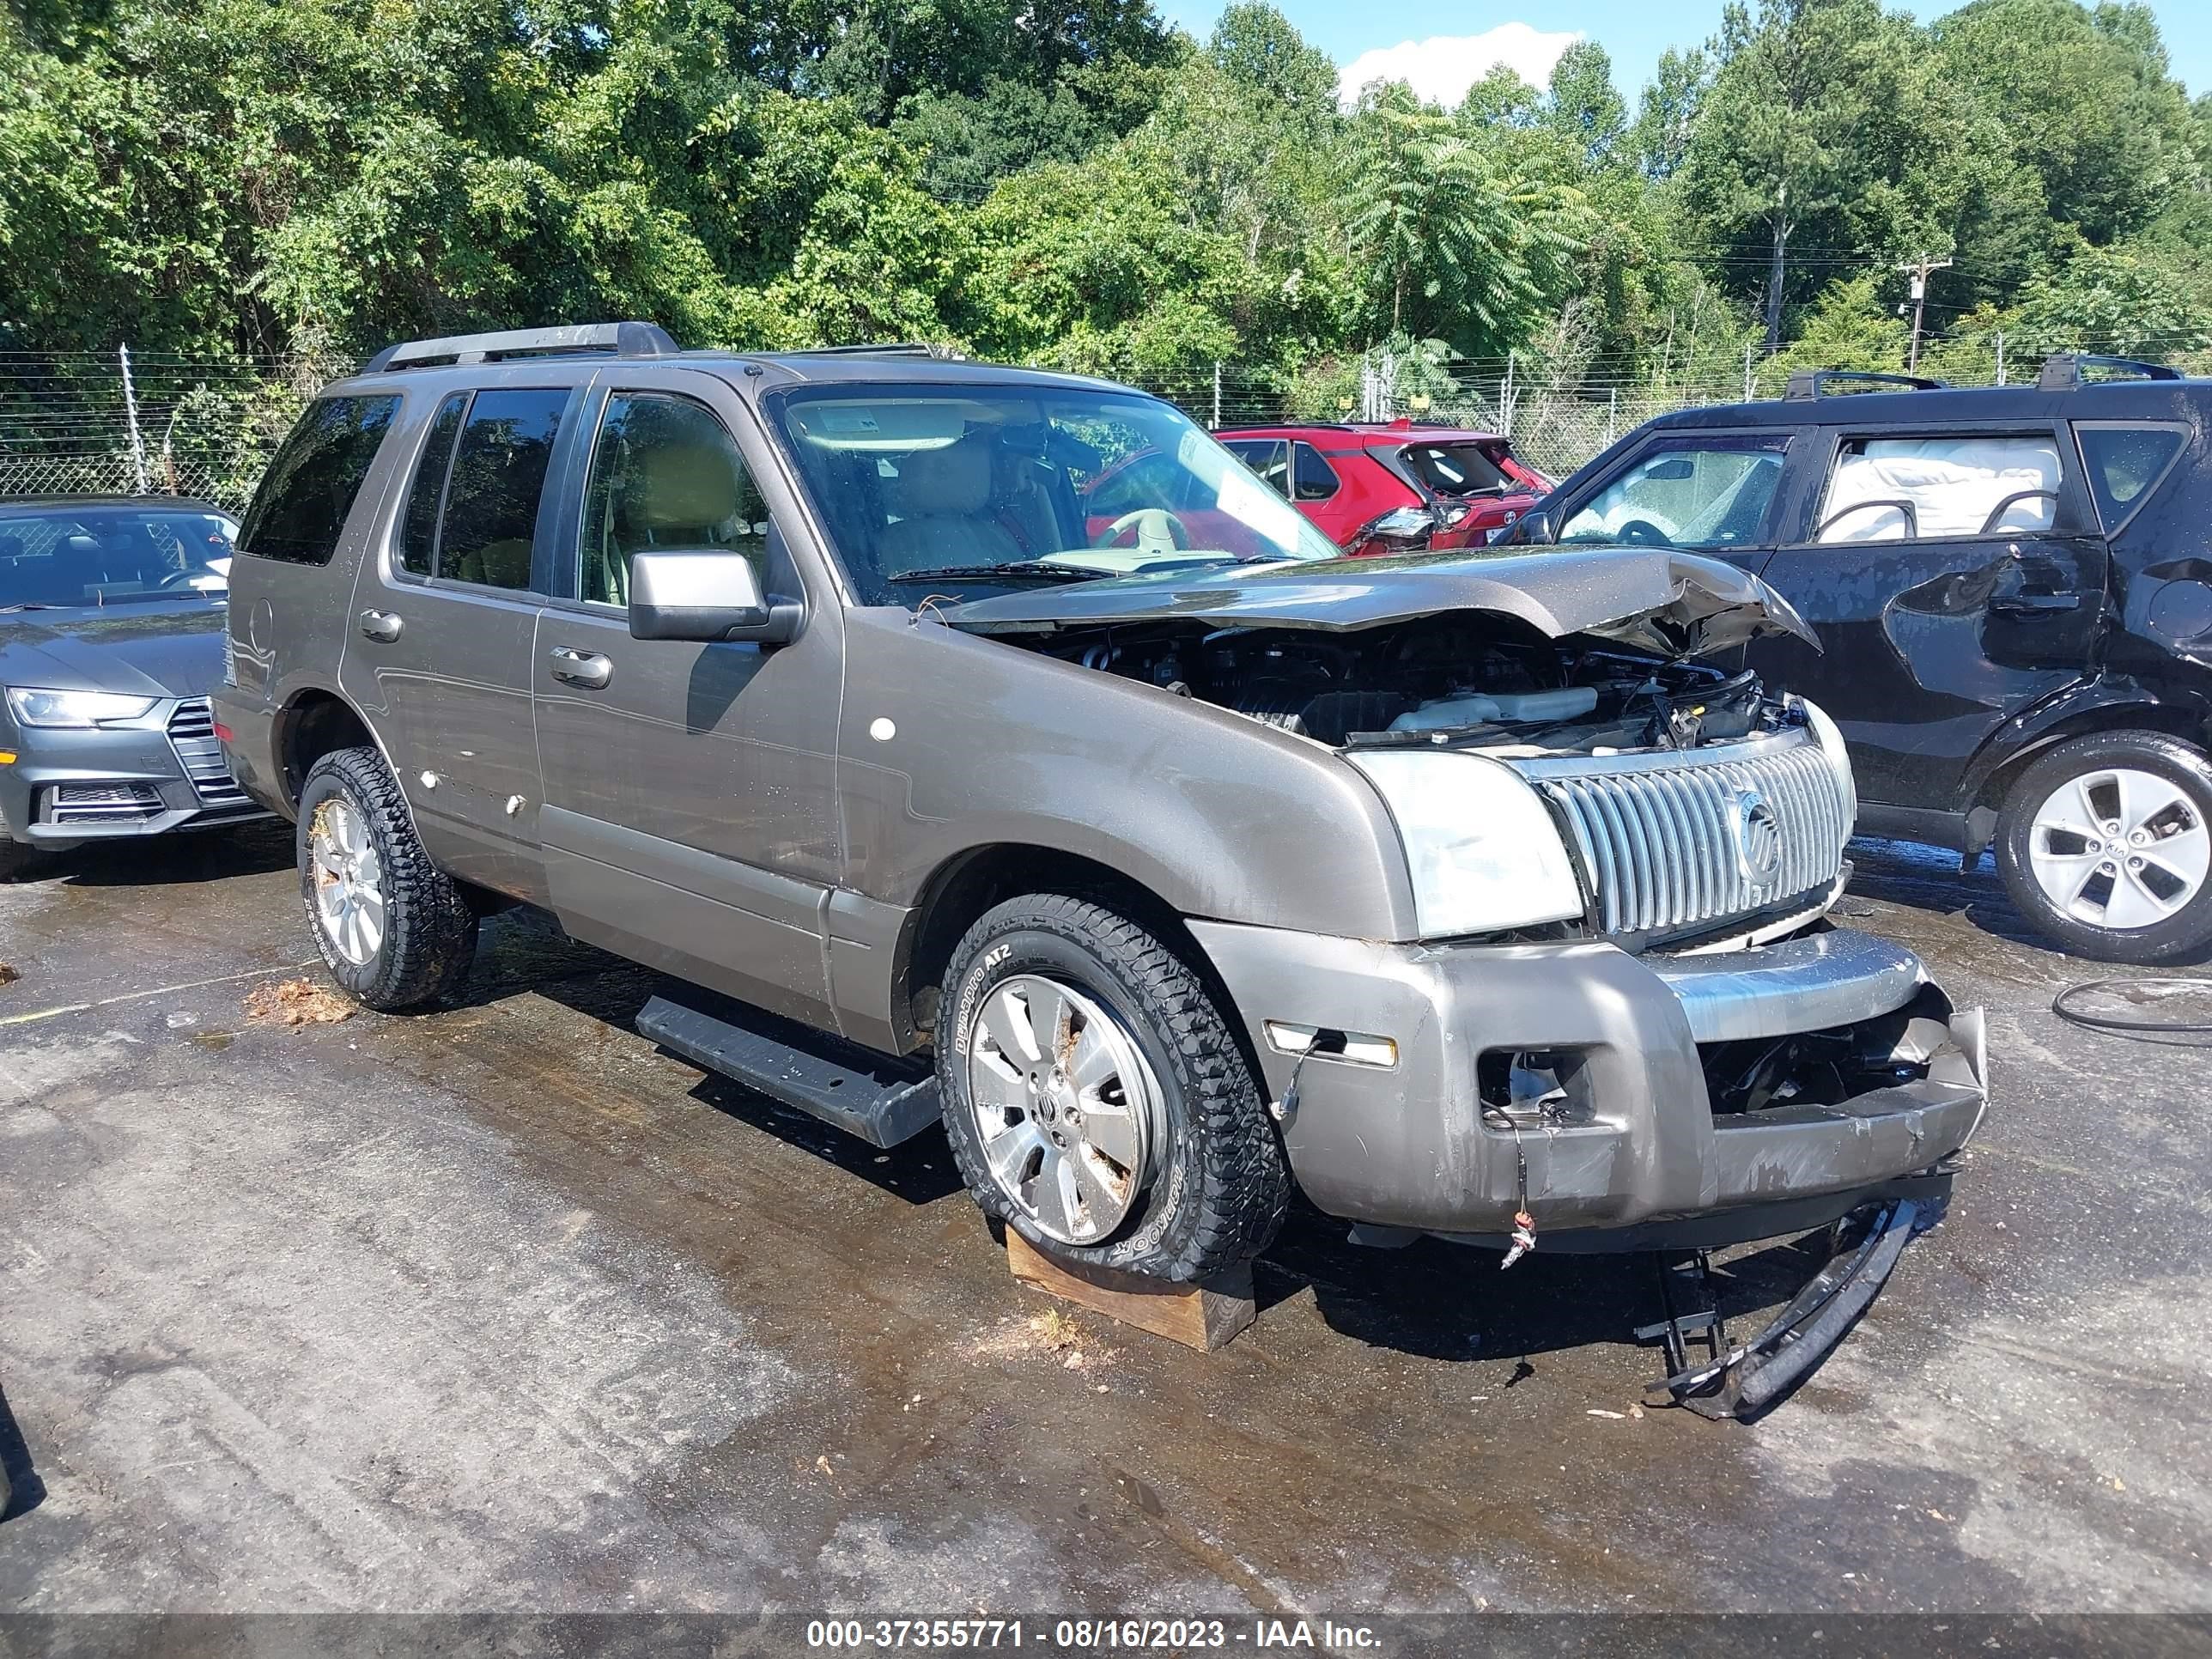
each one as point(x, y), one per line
point(76, 423)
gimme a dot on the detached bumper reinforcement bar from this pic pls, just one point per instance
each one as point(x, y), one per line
point(1746, 1380)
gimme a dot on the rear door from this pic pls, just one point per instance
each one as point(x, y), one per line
point(1954, 578)
point(691, 818)
point(446, 624)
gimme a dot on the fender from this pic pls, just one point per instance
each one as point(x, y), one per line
point(2091, 703)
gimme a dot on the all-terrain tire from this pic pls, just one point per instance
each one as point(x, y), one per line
point(429, 929)
point(2185, 934)
point(1219, 1184)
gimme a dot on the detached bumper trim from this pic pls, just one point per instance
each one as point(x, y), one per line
point(1803, 984)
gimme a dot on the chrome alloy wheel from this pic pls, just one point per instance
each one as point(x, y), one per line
point(2119, 848)
point(1067, 1104)
point(349, 881)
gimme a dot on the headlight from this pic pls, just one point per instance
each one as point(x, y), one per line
point(1831, 745)
point(1484, 853)
point(77, 708)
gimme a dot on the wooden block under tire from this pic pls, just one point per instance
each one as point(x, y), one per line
point(1202, 1316)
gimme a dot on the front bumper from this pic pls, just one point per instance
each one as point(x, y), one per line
point(1653, 1143)
point(161, 773)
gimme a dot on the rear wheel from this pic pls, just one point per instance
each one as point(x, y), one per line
point(396, 930)
point(2105, 843)
point(1097, 1100)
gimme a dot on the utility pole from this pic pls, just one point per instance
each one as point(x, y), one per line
point(1774, 271)
point(1918, 270)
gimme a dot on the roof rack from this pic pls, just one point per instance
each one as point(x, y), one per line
point(887, 348)
point(622, 339)
point(1813, 382)
point(2062, 370)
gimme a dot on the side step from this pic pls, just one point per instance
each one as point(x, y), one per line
point(882, 1099)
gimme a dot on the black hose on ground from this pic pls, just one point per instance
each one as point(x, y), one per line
point(2132, 990)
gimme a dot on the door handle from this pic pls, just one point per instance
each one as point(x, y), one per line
point(2032, 604)
point(586, 668)
point(381, 625)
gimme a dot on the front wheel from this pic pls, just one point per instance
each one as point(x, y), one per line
point(2104, 843)
point(18, 861)
point(395, 930)
point(1097, 1100)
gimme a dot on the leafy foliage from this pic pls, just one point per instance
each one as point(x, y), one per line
point(1073, 181)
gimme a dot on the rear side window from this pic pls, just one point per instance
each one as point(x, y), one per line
point(490, 519)
point(1915, 489)
point(302, 506)
point(2125, 464)
point(1316, 479)
point(418, 533)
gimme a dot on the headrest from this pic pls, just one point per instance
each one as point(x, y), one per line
point(952, 483)
point(82, 544)
point(685, 486)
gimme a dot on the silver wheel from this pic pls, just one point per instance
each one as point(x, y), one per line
point(349, 881)
point(2119, 848)
point(1066, 1106)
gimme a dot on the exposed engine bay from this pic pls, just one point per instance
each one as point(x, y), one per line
point(1461, 679)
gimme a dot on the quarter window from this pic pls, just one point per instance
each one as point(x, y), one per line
point(664, 473)
point(418, 534)
point(1709, 492)
point(1316, 479)
point(299, 510)
point(1899, 489)
point(499, 461)
point(2124, 463)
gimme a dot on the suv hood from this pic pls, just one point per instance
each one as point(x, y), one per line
point(165, 648)
point(1671, 604)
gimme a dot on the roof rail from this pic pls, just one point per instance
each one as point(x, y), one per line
point(1813, 382)
point(888, 349)
point(622, 340)
point(2062, 370)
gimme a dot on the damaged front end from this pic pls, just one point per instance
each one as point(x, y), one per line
point(1623, 1021)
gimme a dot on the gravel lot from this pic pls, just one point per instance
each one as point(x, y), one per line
point(499, 1308)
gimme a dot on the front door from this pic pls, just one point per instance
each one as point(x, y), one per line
point(1953, 580)
point(1715, 493)
point(445, 627)
point(689, 820)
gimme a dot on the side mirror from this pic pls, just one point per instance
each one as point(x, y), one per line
point(1533, 528)
point(705, 594)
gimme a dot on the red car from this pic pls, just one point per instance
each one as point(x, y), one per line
point(1396, 487)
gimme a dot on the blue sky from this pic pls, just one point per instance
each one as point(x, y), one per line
point(1634, 31)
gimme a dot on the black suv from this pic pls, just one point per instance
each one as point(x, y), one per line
point(2012, 587)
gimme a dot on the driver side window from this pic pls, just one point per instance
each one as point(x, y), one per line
point(1705, 492)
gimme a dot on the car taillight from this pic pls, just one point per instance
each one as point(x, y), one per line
point(221, 732)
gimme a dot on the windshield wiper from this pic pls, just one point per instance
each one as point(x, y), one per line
point(25, 605)
point(990, 573)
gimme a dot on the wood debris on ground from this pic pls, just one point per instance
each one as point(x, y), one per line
point(8, 975)
point(297, 1002)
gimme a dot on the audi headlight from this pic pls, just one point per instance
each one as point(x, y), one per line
point(81, 709)
point(1483, 852)
point(1831, 745)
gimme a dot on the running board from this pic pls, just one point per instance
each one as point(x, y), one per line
point(881, 1099)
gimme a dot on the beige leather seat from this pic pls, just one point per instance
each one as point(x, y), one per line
point(675, 496)
point(945, 495)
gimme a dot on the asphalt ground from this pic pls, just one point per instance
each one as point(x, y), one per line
point(499, 1308)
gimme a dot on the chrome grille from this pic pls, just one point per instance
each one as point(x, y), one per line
point(1673, 842)
point(101, 803)
point(191, 734)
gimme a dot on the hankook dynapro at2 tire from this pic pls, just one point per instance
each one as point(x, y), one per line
point(393, 927)
point(1096, 1099)
point(2105, 843)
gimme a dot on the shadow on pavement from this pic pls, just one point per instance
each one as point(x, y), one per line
point(24, 1492)
point(198, 855)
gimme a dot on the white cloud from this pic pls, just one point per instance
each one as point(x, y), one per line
point(1441, 69)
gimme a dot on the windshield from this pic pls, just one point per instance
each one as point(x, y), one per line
point(112, 555)
point(994, 488)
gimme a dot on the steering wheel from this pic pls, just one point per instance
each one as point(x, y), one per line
point(1642, 533)
point(1158, 531)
